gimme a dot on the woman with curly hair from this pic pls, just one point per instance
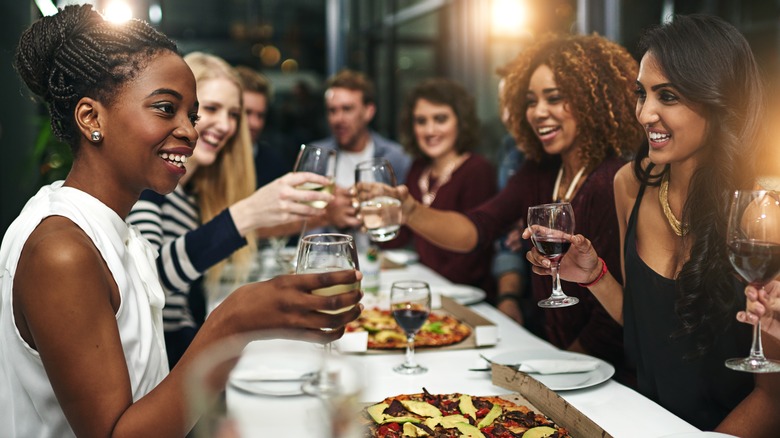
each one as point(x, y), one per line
point(440, 129)
point(211, 217)
point(700, 103)
point(570, 100)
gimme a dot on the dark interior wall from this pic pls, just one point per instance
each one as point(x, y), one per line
point(18, 118)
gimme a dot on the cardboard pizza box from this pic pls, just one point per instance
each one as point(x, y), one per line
point(484, 332)
point(544, 400)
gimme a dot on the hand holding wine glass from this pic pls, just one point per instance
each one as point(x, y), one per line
point(317, 160)
point(551, 227)
point(319, 253)
point(379, 211)
point(753, 241)
point(410, 303)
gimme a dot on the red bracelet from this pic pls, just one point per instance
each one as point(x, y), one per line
point(601, 274)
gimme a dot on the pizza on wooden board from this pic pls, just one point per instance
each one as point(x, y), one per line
point(384, 333)
point(456, 415)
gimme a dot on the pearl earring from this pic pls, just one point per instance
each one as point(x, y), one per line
point(96, 136)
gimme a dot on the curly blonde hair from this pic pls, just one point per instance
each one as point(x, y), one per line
point(597, 79)
point(232, 176)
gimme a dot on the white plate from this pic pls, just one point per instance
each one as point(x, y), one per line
point(400, 256)
point(701, 434)
point(560, 382)
point(461, 293)
point(279, 371)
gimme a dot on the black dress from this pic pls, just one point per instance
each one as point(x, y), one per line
point(700, 390)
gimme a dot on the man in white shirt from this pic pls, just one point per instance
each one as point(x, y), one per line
point(350, 106)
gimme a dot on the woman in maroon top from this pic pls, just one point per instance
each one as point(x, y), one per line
point(439, 127)
point(570, 102)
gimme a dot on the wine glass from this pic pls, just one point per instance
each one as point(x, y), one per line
point(754, 251)
point(410, 303)
point(325, 253)
point(381, 214)
point(551, 227)
point(321, 161)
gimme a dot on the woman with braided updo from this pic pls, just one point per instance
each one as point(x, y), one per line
point(81, 343)
point(570, 102)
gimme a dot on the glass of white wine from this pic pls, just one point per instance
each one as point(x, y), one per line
point(380, 212)
point(319, 253)
point(321, 161)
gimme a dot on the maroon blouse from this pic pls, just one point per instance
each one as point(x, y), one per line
point(595, 218)
point(470, 185)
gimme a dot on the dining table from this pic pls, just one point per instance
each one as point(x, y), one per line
point(617, 409)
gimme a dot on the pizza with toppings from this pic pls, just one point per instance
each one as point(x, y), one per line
point(456, 415)
point(385, 334)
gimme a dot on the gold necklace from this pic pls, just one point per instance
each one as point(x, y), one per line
point(572, 185)
point(429, 193)
point(663, 197)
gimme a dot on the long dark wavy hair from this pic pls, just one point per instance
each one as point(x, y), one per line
point(76, 53)
point(441, 91)
point(711, 64)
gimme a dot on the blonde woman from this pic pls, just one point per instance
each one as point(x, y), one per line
point(212, 215)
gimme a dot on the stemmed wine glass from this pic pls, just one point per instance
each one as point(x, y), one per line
point(321, 161)
point(381, 214)
point(325, 253)
point(754, 251)
point(410, 302)
point(551, 227)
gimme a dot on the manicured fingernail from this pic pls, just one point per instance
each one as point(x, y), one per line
point(546, 263)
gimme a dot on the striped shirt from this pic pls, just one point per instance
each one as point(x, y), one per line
point(186, 248)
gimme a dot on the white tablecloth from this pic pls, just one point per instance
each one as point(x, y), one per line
point(619, 410)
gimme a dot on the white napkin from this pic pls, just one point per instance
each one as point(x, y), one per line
point(558, 366)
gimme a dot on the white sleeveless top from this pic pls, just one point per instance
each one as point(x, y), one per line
point(28, 406)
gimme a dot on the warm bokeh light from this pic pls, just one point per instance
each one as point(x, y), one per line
point(509, 17)
point(270, 55)
point(289, 66)
point(118, 12)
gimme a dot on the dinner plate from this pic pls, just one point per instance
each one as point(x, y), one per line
point(560, 382)
point(461, 293)
point(274, 368)
point(400, 256)
point(701, 434)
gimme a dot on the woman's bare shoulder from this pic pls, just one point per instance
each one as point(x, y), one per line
point(58, 249)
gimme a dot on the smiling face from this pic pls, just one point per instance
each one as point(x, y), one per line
point(435, 128)
point(348, 117)
point(220, 112)
point(149, 130)
point(675, 128)
point(548, 113)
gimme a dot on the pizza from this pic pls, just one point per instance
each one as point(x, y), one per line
point(456, 415)
point(384, 333)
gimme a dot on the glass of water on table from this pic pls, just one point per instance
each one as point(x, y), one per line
point(380, 212)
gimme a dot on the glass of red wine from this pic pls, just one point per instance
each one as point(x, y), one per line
point(754, 251)
point(551, 228)
point(410, 302)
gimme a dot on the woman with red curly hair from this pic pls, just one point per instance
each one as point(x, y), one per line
point(570, 101)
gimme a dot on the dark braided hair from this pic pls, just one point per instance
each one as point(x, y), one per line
point(711, 64)
point(76, 53)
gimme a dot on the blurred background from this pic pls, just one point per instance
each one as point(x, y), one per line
point(299, 43)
